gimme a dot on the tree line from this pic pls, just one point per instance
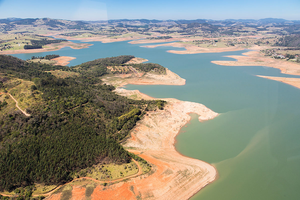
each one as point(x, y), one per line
point(38, 44)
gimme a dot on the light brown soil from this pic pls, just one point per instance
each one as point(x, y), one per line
point(63, 60)
point(193, 49)
point(255, 58)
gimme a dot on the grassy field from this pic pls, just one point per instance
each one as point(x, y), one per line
point(16, 41)
point(21, 91)
point(108, 172)
point(63, 74)
point(40, 189)
point(42, 61)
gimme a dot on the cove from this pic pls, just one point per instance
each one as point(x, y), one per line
point(254, 143)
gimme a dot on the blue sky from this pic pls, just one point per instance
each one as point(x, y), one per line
point(154, 9)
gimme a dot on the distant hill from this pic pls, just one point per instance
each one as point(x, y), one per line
point(60, 23)
point(57, 24)
point(117, 27)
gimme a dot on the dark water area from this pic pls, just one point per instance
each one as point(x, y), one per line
point(254, 143)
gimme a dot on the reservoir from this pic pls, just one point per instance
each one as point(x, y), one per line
point(254, 143)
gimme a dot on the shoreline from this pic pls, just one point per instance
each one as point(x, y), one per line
point(198, 173)
point(254, 58)
point(192, 49)
point(217, 176)
point(189, 186)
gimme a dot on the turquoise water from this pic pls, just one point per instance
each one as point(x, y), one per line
point(254, 143)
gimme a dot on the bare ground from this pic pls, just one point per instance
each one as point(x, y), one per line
point(63, 60)
point(170, 78)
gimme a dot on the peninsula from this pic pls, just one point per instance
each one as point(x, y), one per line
point(151, 138)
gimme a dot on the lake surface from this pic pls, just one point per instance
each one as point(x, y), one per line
point(254, 143)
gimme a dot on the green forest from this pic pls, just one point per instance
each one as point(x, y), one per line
point(78, 122)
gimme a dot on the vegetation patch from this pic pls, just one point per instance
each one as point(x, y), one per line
point(64, 74)
point(108, 172)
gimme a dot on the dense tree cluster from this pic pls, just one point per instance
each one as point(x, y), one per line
point(47, 57)
point(289, 41)
point(159, 38)
point(98, 67)
point(147, 67)
point(78, 123)
point(38, 44)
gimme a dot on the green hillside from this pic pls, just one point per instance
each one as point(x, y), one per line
point(74, 122)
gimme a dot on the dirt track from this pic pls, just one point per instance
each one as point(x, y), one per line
point(25, 113)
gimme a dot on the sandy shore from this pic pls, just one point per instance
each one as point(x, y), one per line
point(291, 81)
point(255, 58)
point(50, 47)
point(63, 60)
point(102, 39)
point(170, 78)
point(173, 176)
point(193, 49)
point(153, 41)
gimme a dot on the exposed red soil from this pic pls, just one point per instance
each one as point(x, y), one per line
point(78, 193)
point(55, 197)
point(120, 191)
